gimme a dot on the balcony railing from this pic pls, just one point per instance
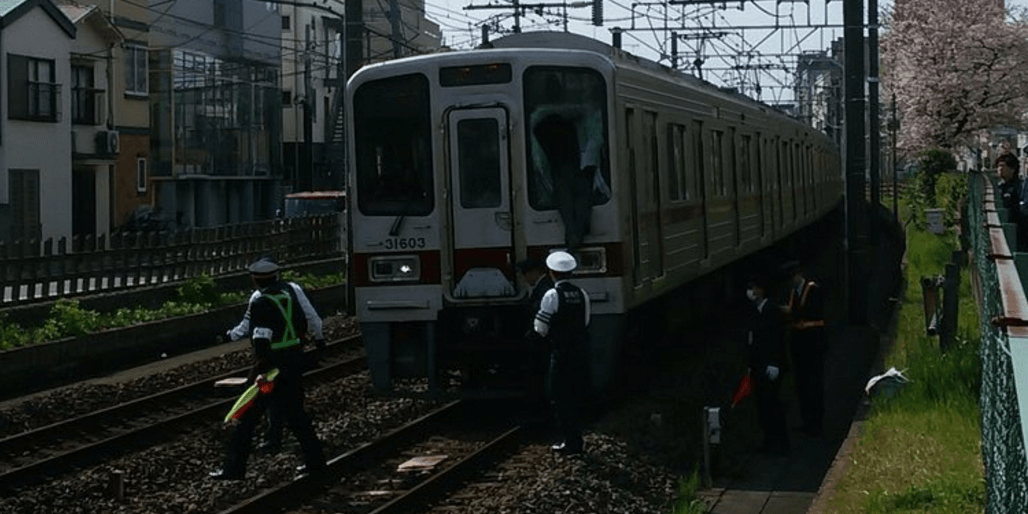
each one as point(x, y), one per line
point(87, 106)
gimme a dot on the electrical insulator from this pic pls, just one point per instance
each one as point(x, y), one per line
point(598, 12)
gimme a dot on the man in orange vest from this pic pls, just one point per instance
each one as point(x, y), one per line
point(806, 320)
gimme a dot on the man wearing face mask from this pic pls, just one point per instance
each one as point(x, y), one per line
point(805, 309)
point(767, 353)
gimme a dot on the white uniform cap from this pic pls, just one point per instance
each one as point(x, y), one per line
point(561, 262)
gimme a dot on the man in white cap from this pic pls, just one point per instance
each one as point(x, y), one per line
point(563, 318)
point(276, 328)
point(265, 269)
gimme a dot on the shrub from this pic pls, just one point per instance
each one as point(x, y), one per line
point(196, 295)
point(200, 289)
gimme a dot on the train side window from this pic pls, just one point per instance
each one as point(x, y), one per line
point(566, 109)
point(717, 161)
point(697, 160)
point(676, 161)
point(745, 180)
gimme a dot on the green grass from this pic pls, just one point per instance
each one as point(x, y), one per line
point(920, 451)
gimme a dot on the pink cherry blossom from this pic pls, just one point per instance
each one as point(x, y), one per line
point(956, 68)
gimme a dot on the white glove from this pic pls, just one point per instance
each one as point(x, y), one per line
point(772, 373)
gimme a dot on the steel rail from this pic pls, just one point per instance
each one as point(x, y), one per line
point(81, 427)
point(368, 455)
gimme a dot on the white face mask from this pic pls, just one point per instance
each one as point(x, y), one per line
point(751, 295)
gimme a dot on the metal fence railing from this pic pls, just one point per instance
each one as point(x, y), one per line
point(34, 272)
point(1003, 352)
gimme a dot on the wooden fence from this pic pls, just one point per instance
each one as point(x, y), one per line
point(32, 272)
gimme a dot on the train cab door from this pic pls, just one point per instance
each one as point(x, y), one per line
point(480, 201)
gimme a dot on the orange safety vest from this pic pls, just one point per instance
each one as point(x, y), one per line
point(803, 324)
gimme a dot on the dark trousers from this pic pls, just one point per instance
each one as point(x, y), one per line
point(288, 399)
point(769, 410)
point(276, 423)
point(808, 357)
point(566, 386)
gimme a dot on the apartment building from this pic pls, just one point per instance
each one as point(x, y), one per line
point(312, 54)
point(131, 193)
point(215, 114)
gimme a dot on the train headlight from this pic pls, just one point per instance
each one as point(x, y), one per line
point(591, 260)
point(400, 268)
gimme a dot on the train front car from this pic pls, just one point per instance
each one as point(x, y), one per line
point(462, 164)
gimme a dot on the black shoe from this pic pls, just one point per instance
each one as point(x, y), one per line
point(222, 474)
point(304, 469)
point(564, 449)
point(267, 448)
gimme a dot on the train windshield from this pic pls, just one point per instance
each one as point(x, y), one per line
point(566, 110)
point(393, 147)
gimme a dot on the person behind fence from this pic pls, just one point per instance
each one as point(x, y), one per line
point(563, 319)
point(272, 442)
point(767, 356)
point(276, 323)
point(1013, 192)
point(808, 343)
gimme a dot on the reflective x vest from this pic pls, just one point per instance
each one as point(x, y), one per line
point(289, 338)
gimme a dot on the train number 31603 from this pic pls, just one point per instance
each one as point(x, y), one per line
point(404, 243)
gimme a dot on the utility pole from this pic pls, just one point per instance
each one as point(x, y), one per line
point(394, 22)
point(873, 117)
point(309, 103)
point(674, 50)
point(893, 128)
point(856, 206)
point(518, 7)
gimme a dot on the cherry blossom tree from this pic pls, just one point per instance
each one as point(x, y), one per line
point(956, 68)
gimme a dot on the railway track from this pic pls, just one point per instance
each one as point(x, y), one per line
point(32, 456)
point(403, 470)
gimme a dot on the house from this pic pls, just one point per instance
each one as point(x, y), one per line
point(95, 144)
point(129, 90)
point(36, 197)
point(312, 55)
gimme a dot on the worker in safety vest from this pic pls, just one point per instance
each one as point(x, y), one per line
point(272, 442)
point(277, 322)
point(804, 311)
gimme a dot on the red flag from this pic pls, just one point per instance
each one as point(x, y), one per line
point(744, 389)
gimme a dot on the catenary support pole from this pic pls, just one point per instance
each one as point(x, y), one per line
point(856, 206)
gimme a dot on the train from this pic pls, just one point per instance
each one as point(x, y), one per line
point(463, 163)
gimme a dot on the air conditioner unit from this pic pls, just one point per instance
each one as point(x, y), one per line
point(107, 142)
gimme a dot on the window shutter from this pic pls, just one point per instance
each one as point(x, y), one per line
point(17, 86)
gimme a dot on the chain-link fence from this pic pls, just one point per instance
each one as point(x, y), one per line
point(1003, 446)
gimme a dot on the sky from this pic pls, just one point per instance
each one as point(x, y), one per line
point(757, 59)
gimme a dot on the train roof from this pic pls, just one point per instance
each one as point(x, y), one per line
point(551, 41)
point(621, 58)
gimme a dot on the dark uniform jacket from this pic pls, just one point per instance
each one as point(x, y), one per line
point(568, 324)
point(273, 341)
point(767, 348)
point(544, 284)
point(1014, 197)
